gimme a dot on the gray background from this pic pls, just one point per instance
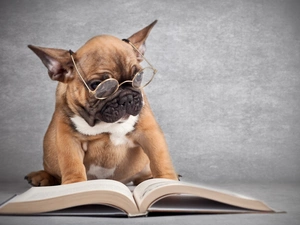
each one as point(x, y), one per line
point(226, 95)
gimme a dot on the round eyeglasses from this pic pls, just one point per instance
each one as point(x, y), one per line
point(110, 86)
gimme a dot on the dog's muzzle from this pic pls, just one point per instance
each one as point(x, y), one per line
point(127, 103)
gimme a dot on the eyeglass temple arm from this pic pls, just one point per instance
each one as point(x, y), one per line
point(71, 54)
point(135, 48)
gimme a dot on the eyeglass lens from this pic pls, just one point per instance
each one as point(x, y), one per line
point(106, 88)
point(143, 77)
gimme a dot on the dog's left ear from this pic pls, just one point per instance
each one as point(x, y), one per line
point(57, 61)
point(139, 39)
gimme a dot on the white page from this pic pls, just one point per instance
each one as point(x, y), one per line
point(40, 193)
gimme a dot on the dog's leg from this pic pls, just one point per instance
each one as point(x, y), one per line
point(152, 141)
point(70, 156)
point(156, 149)
point(63, 159)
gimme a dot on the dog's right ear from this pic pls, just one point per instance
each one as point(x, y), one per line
point(57, 61)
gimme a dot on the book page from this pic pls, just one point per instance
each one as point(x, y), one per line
point(153, 190)
point(42, 193)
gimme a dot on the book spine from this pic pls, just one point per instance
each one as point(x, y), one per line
point(138, 215)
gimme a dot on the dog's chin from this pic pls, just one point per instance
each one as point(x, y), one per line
point(113, 119)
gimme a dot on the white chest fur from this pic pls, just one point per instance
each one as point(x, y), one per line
point(116, 130)
point(100, 172)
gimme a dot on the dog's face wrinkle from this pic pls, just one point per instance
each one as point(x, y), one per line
point(67, 109)
point(94, 103)
point(87, 115)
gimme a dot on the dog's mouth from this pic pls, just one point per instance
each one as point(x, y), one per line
point(117, 108)
point(121, 107)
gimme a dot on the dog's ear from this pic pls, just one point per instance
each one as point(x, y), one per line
point(57, 61)
point(139, 39)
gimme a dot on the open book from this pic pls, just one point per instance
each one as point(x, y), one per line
point(151, 196)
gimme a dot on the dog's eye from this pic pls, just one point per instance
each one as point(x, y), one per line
point(94, 84)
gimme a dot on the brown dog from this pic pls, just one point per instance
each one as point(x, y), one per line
point(102, 126)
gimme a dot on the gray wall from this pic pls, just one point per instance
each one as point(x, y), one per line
point(227, 92)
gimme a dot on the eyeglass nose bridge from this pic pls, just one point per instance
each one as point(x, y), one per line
point(124, 82)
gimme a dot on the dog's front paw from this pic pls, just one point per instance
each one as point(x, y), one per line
point(41, 178)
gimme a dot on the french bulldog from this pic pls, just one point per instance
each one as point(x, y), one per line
point(102, 126)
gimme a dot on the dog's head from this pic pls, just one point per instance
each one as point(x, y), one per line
point(102, 79)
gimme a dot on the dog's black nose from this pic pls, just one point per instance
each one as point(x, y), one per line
point(125, 100)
